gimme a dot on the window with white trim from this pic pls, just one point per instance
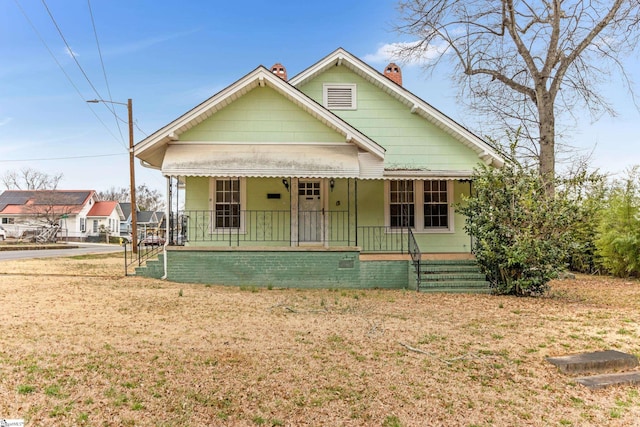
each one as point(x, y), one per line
point(83, 226)
point(436, 205)
point(401, 204)
point(227, 201)
point(8, 220)
point(95, 225)
point(339, 96)
point(424, 206)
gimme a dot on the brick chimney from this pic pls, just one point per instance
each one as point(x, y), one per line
point(279, 70)
point(392, 71)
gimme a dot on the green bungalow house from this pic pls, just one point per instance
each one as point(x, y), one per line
point(337, 177)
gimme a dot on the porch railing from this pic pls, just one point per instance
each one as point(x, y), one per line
point(274, 228)
point(232, 229)
point(382, 239)
point(262, 226)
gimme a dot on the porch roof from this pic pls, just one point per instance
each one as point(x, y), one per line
point(262, 160)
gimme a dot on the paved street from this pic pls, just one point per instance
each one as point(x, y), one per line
point(82, 249)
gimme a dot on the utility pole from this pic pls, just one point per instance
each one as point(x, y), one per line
point(132, 171)
point(132, 178)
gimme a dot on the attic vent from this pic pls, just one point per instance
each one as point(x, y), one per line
point(339, 96)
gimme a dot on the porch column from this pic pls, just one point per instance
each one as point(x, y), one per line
point(168, 233)
point(355, 196)
point(294, 211)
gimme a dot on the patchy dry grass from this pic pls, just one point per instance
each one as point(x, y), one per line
point(82, 345)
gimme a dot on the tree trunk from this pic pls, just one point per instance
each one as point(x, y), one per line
point(547, 127)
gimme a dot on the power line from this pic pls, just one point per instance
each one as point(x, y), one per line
point(134, 123)
point(138, 127)
point(104, 71)
point(62, 158)
point(70, 51)
point(35, 30)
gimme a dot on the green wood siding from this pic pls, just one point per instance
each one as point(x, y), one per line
point(262, 115)
point(264, 218)
point(257, 190)
point(370, 209)
point(456, 241)
point(411, 141)
point(197, 193)
point(371, 203)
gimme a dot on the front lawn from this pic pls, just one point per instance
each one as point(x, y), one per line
point(82, 345)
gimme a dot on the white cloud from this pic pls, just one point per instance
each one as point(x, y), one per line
point(5, 121)
point(392, 52)
point(385, 53)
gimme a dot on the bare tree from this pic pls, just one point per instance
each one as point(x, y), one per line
point(30, 179)
point(115, 194)
point(147, 199)
point(526, 61)
point(49, 207)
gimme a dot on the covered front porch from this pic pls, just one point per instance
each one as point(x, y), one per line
point(312, 232)
point(375, 216)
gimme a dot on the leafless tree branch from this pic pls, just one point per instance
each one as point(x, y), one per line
point(30, 179)
point(527, 62)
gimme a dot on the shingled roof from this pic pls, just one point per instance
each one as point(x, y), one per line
point(15, 201)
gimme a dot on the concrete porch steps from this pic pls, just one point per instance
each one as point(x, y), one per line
point(452, 276)
point(609, 368)
point(151, 268)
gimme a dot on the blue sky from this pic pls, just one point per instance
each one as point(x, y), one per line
point(170, 56)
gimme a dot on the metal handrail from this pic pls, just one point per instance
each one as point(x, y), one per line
point(148, 247)
point(416, 255)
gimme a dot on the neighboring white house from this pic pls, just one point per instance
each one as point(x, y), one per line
point(25, 210)
point(104, 216)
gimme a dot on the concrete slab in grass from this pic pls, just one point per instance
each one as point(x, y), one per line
point(607, 380)
point(597, 361)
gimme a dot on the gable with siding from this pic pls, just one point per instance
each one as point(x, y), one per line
point(410, 140)
point(416, 136)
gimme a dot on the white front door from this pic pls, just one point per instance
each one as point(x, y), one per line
point(310, 212)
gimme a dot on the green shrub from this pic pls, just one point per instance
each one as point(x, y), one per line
point(587, 191)
point(619, 240)
point(521, 235)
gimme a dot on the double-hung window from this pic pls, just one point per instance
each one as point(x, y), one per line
point(436, 205)
point(227, 203)
point(425, 206)
point(401, 204)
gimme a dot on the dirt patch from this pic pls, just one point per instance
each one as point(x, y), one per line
point(82, 345)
